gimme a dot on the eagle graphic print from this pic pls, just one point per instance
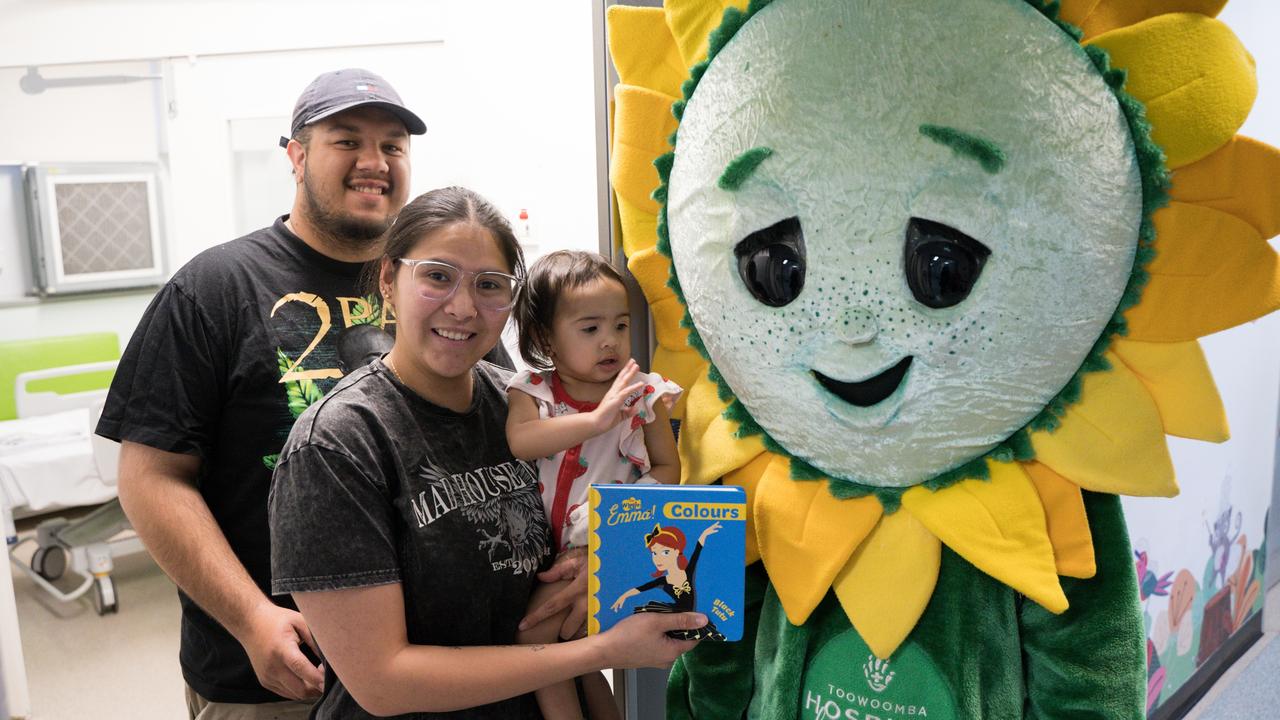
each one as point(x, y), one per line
point(510, 527)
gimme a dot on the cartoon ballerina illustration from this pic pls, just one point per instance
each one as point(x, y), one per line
point(675, 576)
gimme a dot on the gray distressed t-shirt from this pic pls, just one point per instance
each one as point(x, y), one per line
point(376, 485)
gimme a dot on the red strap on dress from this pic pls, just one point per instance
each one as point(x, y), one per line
point(571, 469)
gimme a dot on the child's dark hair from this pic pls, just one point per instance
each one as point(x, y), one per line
point(535, 309)
point(440, 208)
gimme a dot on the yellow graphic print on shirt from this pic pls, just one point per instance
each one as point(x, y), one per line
point(362, 338)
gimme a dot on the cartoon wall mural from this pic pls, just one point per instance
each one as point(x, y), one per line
point(936, 275)
point(1190, 612)
point(1222, 535)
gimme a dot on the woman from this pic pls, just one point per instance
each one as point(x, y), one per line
point(404, 528)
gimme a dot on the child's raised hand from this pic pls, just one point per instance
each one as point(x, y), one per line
point(613, 407)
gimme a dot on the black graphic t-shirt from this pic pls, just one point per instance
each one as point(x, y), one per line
point(228, 354)
point(377, 485)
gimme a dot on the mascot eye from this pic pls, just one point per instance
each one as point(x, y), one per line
point(942, 263)
point(771, 262)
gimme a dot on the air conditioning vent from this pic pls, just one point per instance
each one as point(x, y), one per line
point(94, 227)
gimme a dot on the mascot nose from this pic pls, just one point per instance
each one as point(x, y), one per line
point(857, 326)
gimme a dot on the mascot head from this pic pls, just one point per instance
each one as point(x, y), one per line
point(899, 245)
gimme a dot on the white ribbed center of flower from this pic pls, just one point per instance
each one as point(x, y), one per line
point(838, 90)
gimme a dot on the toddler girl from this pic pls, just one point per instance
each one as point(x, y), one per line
point(587, 414)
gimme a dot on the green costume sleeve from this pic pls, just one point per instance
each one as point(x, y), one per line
point(1088, 662)
point(715, 679)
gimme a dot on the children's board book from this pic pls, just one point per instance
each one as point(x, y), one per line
point(668, 548)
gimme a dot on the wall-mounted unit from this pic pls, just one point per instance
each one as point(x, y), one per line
point(94, 227)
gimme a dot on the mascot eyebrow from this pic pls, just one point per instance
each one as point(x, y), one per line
point(987, 153)
point(741, 168)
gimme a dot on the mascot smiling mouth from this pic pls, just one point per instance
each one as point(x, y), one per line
point(868, 392)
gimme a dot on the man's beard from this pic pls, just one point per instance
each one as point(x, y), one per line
point(352, 233)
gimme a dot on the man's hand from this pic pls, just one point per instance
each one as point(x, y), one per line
point(272, 642)
point(158, 490)
point(571, 565)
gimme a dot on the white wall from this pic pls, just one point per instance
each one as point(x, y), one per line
point(36, 32)
point(505, 87)
point(1257, 22)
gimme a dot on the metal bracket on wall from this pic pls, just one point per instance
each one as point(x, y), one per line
point(33, 83)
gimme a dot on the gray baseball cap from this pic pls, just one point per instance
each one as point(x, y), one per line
point(334, 92)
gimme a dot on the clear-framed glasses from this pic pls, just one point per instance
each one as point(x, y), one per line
point(435, 280)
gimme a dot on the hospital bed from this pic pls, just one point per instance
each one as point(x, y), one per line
point(50, 460)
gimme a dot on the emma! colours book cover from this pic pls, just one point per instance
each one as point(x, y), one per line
point(668, 548)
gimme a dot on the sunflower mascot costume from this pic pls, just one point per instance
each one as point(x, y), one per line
point(934, 273)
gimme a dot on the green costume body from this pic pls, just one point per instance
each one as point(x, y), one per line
point(979, 651)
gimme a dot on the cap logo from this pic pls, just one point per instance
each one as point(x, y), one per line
point(365, 87)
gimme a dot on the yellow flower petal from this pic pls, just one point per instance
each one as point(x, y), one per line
point(667, 313)
point(1212, 271)
point(692, 21)
point(1065, 517)
point(1194, 77)
point(886, 585)
point(998, 525)
point(708, 449)
point(1242, 178)
point(643, 49)
point(642, 123)
point(640, 234)
point(649, 267)
point(1181, 384)
point(806, 536)
point(1078, 12)
point(651, 270)
point(749, 477)
point(1112, 441)
point(1095, 17)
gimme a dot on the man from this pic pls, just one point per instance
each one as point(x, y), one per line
point(230, 351)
